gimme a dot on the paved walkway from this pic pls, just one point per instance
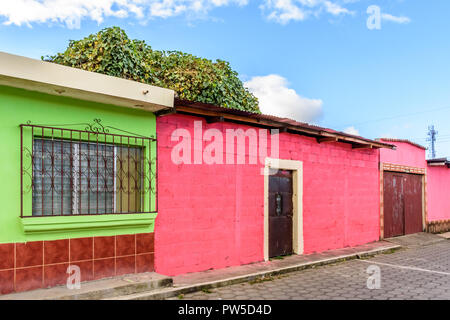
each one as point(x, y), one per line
point(286, 264)
point(418, 239)
point(414, 272)
point(206, 280)
point(411, 273)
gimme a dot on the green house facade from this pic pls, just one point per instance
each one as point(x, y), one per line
point(77, 172)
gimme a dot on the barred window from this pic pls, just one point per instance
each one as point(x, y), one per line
point(88, 173)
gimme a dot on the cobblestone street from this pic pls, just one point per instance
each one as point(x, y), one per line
point(410, 273)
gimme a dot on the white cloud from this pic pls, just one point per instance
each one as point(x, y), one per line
point(72, 12)
point(351, 130)
point(21, 12)
point(391, 18)
point(335, 9)
point(275, 98)
point(285, 11)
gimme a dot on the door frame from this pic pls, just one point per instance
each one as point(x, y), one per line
point(403, 169)
point(297, 198)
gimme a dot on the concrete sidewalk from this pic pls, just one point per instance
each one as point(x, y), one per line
point(192, 282)
point(153, 286)
point(418, 239)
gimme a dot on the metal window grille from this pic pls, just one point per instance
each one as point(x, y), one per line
point(86, 172)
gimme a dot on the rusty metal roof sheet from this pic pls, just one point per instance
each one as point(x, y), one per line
point(439, 162)
point(404, 141)
point(276, 122)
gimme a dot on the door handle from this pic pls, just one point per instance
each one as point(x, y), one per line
point(278, 202)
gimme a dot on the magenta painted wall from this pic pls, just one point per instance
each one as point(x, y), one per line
point(406, 154)
point(438, 178)
point(211, 216)
point(438, 186)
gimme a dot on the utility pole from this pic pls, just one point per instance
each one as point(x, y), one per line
point(432, 139)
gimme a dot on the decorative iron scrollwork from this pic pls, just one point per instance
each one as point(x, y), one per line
point(70, 174)
point(97, 127)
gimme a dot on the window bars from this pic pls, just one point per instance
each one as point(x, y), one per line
point(86, 172)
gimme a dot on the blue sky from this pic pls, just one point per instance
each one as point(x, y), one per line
point(315, 60)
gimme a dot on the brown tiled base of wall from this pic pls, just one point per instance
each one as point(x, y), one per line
point(43, 264)
point(438, 226)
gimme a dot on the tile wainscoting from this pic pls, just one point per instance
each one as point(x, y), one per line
point(43, 264)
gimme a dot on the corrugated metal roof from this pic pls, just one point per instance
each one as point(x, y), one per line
point(404, 141)
point(283, 122)
point(439, 162)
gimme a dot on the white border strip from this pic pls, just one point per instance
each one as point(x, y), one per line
point(297, 232)
point(405, 267)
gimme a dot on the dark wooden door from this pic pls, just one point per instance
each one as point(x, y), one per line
point(413, 204)
point(280, 213)
point(402, 204)
point(393, 205)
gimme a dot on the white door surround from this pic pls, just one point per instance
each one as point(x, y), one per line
point(297, 220)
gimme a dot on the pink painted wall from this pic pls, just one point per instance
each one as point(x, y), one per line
point(211, 216)
point(438, 186)
point(406, 154)
point(438, 178)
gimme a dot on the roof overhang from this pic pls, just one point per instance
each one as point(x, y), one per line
point(439, 162)
point(323, 135)
point(36, 75)
point(402, 141)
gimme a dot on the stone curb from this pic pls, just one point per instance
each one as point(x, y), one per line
point(175, 291)
point(126, 289)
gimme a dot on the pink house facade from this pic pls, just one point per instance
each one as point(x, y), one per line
point(216, 215)
point(403, 189)
point(409, 159)
point(405, 154)
point(438, 171)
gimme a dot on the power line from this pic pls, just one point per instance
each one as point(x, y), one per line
point(440, 137)
point(395, 117)
point(426, 139)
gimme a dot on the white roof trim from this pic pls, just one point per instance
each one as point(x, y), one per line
point(36, 75)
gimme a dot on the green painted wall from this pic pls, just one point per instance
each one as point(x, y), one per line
point(18, 106)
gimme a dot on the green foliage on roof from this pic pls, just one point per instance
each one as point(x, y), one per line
point(111, 52)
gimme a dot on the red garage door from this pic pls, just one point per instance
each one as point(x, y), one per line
point(402, 204)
